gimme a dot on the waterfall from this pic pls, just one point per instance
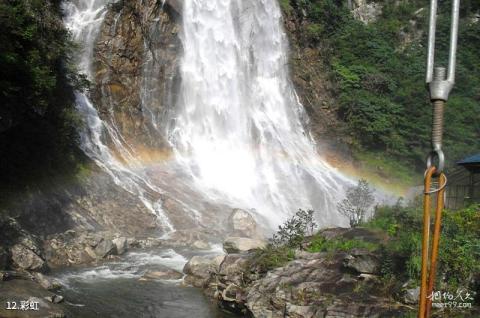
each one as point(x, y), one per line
point(84, 18)
point(239, 128)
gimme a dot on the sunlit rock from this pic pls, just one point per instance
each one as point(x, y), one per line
point(241, 223)
point(25, 258)
point(120, 244)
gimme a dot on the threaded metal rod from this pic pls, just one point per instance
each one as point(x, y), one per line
point(437, 124)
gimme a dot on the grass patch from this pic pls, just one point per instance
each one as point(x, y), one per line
point(321, 244)
point(272, 257)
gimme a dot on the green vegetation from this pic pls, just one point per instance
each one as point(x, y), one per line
point(271, 257)
point(378, 69)
point(320, 244)
point(459, 256)
point(400, 251)
point(281, 248)
point(38, 137)
point(294, 230)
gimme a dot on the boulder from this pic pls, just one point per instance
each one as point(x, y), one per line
point(56, 299)
point(233, 269)
point(200, 268)
point(202, 265)
point(242, 244)
point(105, 248)
point(241, 223)
point(120, 244)
point(362, 261)
point(25, 258)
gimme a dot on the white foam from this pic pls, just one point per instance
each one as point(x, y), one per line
point(239, 128)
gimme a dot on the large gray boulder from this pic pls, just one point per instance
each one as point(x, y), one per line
point(241, 223)
point(242, 244)
point(105, 248)
point(199, 269)
point(362, 261)
point(25, 258)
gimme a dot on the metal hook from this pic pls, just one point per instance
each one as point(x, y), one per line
point(438, 85)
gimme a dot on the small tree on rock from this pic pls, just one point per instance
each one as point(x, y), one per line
point(294, 230)
point(357, 202)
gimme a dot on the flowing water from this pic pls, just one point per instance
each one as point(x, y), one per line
point(239, 129)
point(117, 290)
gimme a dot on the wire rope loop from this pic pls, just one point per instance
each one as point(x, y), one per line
point(441, 187)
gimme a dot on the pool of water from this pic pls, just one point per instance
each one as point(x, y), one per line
point(115, 289)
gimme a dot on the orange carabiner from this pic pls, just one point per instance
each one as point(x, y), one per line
point(429, 266)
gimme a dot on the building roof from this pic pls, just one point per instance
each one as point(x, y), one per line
point(472, 160)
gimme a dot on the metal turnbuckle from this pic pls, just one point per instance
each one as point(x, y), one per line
point(439, 83)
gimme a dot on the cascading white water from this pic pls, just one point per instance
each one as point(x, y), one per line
point(84, 18)
point(238, 128)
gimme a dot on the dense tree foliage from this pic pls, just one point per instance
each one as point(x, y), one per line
point(379, 71)
point(37, 115)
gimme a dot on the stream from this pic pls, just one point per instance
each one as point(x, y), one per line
point(115, 289)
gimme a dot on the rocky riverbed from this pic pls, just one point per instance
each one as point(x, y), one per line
point(81, 273)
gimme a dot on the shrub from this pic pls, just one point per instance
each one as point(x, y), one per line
point(294, 230)
point(281, 248)
point(459, 253)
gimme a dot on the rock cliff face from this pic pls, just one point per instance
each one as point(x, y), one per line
point(313, 86)
point(135, 63)
point(93, 202)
